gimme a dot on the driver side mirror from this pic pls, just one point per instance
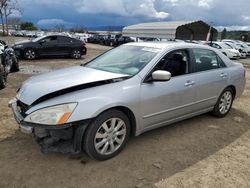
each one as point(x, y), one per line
point(161, 75)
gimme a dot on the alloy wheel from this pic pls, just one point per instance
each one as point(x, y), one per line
point(76, 54)
point(30, 54)
point(225, 102)
point(110, 136)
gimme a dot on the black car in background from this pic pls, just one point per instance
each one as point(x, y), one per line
point(96, 39)
point(123, 40)
point(112, 40)
point(51, 45)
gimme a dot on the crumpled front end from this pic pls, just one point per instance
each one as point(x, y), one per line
point(66, 138)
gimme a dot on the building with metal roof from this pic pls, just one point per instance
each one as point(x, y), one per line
point(183, 30)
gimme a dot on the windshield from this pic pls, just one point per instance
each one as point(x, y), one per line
point(232, 45)
point(125, 59)
point(229, 46)
point(240, 45)
point(223, 45)
point(38, 38)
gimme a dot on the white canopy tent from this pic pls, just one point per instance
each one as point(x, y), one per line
point(185, 30)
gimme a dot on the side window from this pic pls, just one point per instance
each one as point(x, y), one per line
point(51, 39)
point(206, 60)
point(216, 46)
point(64, 39)
point(175, 62)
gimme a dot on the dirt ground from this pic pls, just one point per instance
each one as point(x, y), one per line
point(200, 152)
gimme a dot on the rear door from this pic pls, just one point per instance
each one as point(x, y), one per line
point(65, 45)
point(210, 76)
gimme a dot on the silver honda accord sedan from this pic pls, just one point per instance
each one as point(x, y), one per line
point(126, 91)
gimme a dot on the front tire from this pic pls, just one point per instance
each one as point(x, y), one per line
point(224, 103)
point(107, 135)
point(29, 54)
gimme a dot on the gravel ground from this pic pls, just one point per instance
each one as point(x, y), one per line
point(200, 152)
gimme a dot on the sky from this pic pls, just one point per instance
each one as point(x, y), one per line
point(232, 14)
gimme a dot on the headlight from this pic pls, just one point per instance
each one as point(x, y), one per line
point(18, 46)
point(55, 115)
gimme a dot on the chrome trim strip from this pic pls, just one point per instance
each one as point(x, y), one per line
point(179, 107)
point(161, 124)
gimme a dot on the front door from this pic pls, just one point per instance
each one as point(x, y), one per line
point(162, 102)
point(48, 46)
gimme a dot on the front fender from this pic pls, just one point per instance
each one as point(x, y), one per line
point(92, 108)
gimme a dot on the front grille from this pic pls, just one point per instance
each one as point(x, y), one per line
point(22, 108)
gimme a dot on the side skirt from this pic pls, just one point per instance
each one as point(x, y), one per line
point(171, 121)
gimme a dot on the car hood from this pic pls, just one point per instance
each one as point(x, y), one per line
point(23, 42)
point(61, 82)
point(234, 51)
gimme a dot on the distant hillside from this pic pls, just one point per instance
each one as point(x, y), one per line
point(105, 28)
point(237, 35)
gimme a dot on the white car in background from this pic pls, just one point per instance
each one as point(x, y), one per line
point(83, 36)
point(243, 53)
point(245, 46)
point(226, 49)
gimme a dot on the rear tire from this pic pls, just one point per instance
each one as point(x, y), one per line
point(224, 103)
point(76, 54)
point(107, 135)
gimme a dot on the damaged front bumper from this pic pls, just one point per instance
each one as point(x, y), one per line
point(65, 138)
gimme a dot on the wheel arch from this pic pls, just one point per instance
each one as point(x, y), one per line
point(233, 88)
point(129, 113)
point(29, 48)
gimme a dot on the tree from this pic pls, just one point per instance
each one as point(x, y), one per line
point(28, 26)
point(78, 29)
point(224, 34)
point(16, 22)
point(7, 8)
point(59, 28)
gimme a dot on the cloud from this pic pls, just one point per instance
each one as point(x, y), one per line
point(205, 3)
point(127, 8)
point(53, 22)
point(247, 18)
point(171, 2)
point(126, 12)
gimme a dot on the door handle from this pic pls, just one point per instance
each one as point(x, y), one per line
point(189, 83)
point(223, 75)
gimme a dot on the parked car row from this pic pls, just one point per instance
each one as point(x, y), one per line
point(110, 40)
point(234, 49)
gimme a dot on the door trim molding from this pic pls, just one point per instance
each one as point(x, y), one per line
point(179, 107)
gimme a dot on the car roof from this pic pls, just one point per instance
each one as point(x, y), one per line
point(218, 42)
point(168, 45)
point(56, 35)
